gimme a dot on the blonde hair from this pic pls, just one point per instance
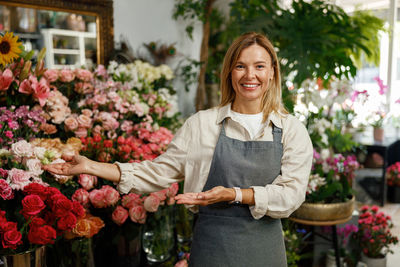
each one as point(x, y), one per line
point(272, 98)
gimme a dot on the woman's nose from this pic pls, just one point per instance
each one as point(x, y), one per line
point(250, 73)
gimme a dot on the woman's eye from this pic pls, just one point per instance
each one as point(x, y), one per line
point(239, 66)
point(260, 66)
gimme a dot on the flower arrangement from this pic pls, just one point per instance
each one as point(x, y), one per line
point(126, 112)
point(374, 235)
point(35, 215)
point(393, 174)
point(331, 177)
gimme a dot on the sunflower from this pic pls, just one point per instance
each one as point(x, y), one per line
point(9, 48)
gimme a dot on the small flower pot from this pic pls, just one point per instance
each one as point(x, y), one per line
point(373, 262)
point(393, 194)
point(378, 135)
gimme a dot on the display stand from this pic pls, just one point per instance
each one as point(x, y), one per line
point(333, 224)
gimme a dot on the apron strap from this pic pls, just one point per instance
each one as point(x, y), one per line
point(223, 127)
point(277, 133)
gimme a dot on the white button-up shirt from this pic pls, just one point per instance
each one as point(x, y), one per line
point(190, 153)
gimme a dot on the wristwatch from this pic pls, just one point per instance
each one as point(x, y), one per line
point(238, 197)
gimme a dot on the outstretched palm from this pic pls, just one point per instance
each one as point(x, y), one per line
point(73, 166)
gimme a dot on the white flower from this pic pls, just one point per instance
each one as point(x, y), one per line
point(22, 149)
point(34, 166)
point(315, 181)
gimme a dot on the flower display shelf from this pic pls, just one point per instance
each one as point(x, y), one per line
point(324, 213)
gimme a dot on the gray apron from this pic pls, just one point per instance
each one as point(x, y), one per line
point(227, 234)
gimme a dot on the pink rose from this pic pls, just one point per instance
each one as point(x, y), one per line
point(87, 181)
point(51, 75)
point(119, 215)
point(162, 194)
point(111, 195)
point(82, 196)
point(83, 88)
point(130, 200)
point(151, 203)
point(97, 198)
point(87, 112)
point(84, 121)
point(84, 75)
point(97, 130)
point(6, 79)
point(71, 123)
point(67, 75)
point(81, 132)
point(22, 149)
point(100, 99)
point(18, 179)
point(173, 190)
point(138, 214)
point(6, 191)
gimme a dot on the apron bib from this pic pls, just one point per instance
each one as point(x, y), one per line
point(227, 234)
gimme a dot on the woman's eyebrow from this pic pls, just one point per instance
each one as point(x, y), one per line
point(257, 62)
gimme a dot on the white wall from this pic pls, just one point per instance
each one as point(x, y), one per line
point(143, 21)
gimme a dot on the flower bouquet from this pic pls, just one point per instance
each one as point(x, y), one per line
point(374, 236)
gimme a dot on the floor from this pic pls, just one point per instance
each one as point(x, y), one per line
point(392, 209)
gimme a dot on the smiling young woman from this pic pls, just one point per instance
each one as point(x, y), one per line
point(245, 164)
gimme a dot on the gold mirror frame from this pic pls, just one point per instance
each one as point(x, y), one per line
point(101, 9)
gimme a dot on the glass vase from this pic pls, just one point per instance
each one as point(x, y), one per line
point(184, 224)
point(33, 258)
point(129, 246)
point(158, 235)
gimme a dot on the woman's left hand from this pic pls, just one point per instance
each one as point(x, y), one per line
point(216, 194)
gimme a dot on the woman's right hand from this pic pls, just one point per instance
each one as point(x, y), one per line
point(74, 165)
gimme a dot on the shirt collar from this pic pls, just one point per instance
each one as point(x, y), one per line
point(226, 112)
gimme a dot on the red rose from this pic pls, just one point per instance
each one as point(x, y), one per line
point(61, 205)
point(7, 226)
point(66, 222)
point(32, 205)
point(53, 191)
point(36, 189)
point(42, 235)
point(78, 209)
point(11, 239)
point(37, 222)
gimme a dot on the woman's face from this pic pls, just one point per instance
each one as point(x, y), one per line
point(251, 75)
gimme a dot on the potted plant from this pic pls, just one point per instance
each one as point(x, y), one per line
point(393, 182)
point(329, 193)
point(374, 236)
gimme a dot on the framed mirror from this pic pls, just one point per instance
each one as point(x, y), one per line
point(74, 32)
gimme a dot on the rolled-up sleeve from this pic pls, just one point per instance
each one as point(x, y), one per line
point(150, 176)
point(288, 190)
